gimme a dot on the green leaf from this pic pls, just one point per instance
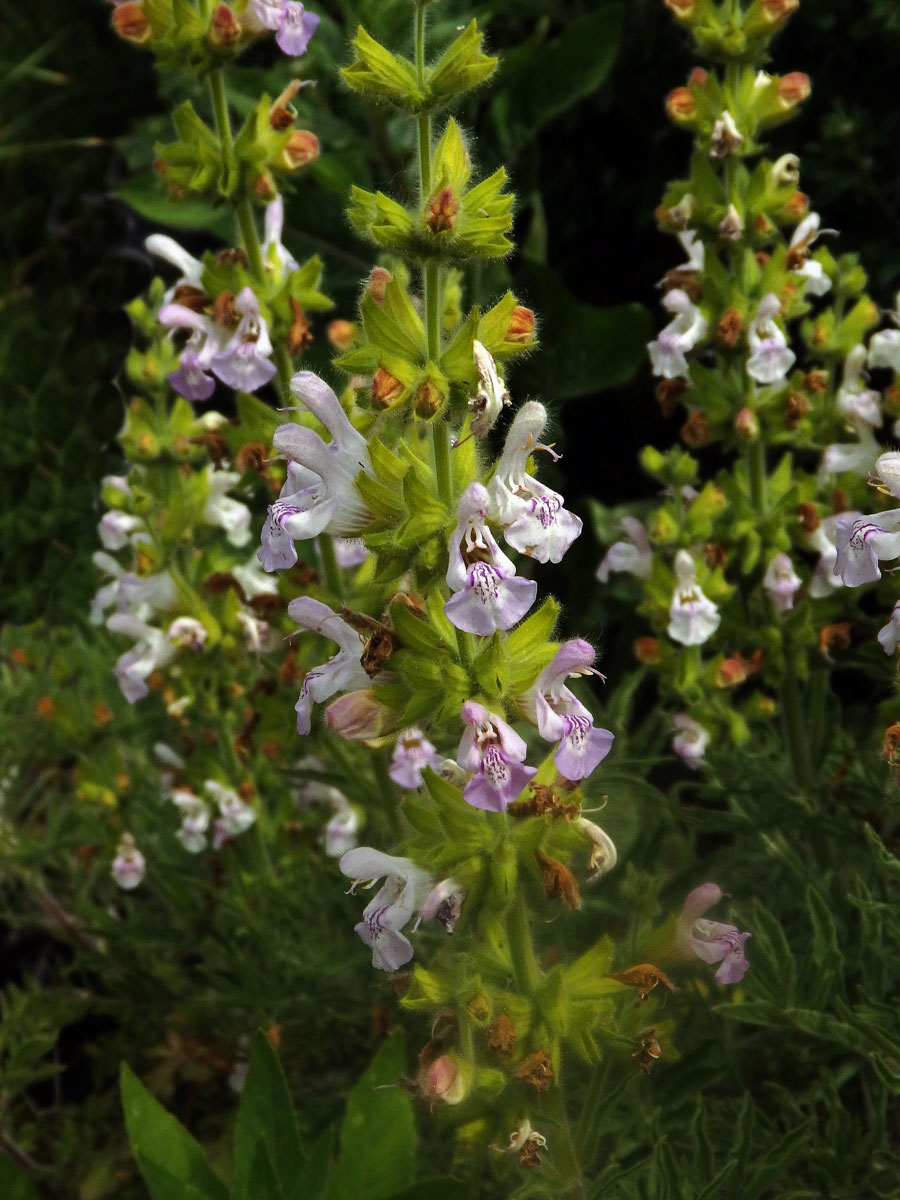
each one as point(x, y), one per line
point(378, 1135)
point(267, 1125)
point(554, 76)
point(587, 348)
point(462, 66)
point(164, 1151)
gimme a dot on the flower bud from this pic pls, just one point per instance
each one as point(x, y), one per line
point(440, 215)
point(797, 205)
point(387, 389)
point(728, 331)
point(795, 409)
point(776, 12)
point(835, 636)
point(428, 400)
point(667, 392)
point(793, 89)
point(731, 227)
point(131, 23)
point(786, 170)
point(808, 517)
point(340, 334)
point(726, 138)
point(302, 148)
point(697, 77)
point(359, 716)
point(695, 430)
point(378, 281)
point(521, 326)
point(264, 188)
point(224, 29)
point(891, 743)
point(746, 425)
point(648, 651)
point(443, 1080)
point(681, 105)
point(299, 335)
point(683, 10)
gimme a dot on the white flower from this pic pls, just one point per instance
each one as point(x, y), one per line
point(236, 816)
point(889, 635)
point(887, 473)
point(194, 820)
point(693, 248)
point(860, 404)
point(488, 402)
point(693, 617)
point(188, 633)
point(770, 357)
point(817, 282)
point(691, 740)
point(603, 850)
point(725, 136)
point(168, 249)
point(222, 510)
point(152, 650)
point(858, 457)
point(667, 351)
point(781, 582)
point(341, 673)
point(824, 580)
point(129, 866)
point(634, 556)
point(405, 889)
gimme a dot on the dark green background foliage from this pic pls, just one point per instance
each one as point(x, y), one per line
point(789, 1088)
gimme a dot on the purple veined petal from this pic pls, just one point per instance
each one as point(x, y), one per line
point(545, 529)
point(241, 366)
point(296, 29)
point(390, 948)
point(699, 901)
point(314, 394)
point(191, 381)
point(498, 783)
point(268, 14)
point(551, 724)
point(734, 964)
point(319, 618)
point(582, 747)
point(287, 523)
point(412, 753)
point(490, 602)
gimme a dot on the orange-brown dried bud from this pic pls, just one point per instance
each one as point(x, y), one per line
point(536, 1070)
point(648, 651)
point(795, 409)
point(225, 312)
point(797, 205)
point(687, 281)
point(728, 331)
point(892, 398)
point(264, 188)
point(123, 781)
point(501, 1035)
point(289, 672)
point(667, 392)
point(442, 210)
point(101, 716)
point(191, 297)
point(821, 336)
point(735, 670)
point(683, 9)
point(428, 400)
point(302, 149)
point(762, 257)
point(695, 430)
point(793, 89)
point(746, 424)
point(271, 749)
point(378, 649)
point(214, 445)
point(378, 281)
point(891, 743)
point(681, 105)
point(776, 11)
point(233, 256)
point(835, 636)
point(762, 224)
point(131, 23)
point(299, 335)
point(559, 882)
point(341, 334)
point(225, 28)
point(698, 77)
point(808, 516)
point(520, 329)
point(646, 978)
point(46, 708)
point(221, 582)
point(20, 657)
point(715, 554)
point(280, 115)
point(156, 681)
point(816, 381)
point(387, 389)
point(840, 501)
point(648, 1050)
point(252, 457)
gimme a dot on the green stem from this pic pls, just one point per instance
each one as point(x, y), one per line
point(440, 433)
point(521, 948)
point(219, 97)
point(250, 237)
point(329, 564)
point(565, 1158)
point(795, 732)
point(756, 470)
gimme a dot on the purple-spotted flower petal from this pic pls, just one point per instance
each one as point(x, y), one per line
point(535, 520)
point(561, 717)
point(770, 356)
point(405, 889)
point(668, 350)
point(493, 753)
point(691, 740)
point(341, 673)
point(862, 543)
point(711, 941)
point(412, 753)
point(488, 594)
point(244, 363)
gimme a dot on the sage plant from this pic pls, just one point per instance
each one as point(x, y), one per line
point(430, 685)
point(764, 357)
